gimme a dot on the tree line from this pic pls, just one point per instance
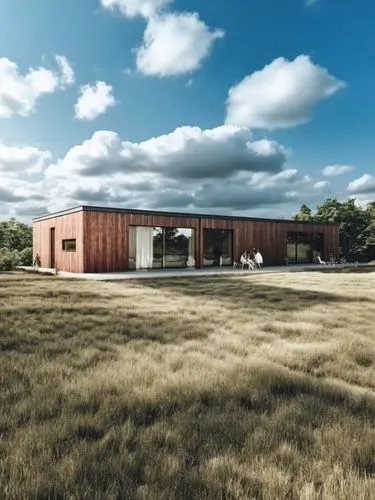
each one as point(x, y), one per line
point(16, 242)
point(356, 223)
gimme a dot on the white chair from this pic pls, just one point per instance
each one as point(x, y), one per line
point(190, 262)
point(246, 262)
point(322, 262)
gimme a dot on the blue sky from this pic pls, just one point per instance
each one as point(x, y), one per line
point(301, 76)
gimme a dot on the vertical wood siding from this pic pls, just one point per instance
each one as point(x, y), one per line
point(69, 226)
point(270, 237)
point(106, 248)
point(106, 236)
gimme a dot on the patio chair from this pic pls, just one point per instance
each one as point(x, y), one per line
point(246, 262)
point(322, 262)
point(252, 264)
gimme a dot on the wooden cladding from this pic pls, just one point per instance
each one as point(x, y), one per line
point(48, 235)
point(106, 236)
point(102, 237)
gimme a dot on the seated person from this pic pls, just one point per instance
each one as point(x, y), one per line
point(245, 259)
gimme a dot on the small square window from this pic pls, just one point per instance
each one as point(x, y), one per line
point(69, 245)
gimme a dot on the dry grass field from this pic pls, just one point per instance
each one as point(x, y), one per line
point(255, 387)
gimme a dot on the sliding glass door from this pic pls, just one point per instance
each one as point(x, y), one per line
point(159, 248)
point(291, 247)
point(178, 246)
point(304, 248)
point(217, 247)
point(317, 246)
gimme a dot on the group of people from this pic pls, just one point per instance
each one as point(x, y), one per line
point(252, 259)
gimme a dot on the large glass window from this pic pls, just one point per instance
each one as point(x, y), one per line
point(291, 247)
point(178, 246)
point(132, 234)
point(157, 247)
point(317, 244)
point(304, 248)
point(217, 247)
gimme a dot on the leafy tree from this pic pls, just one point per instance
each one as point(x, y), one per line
point(352, 221)
point(304, 214)
point(369, 231)
point(329, 211)
point(15, 235)
point(357, 225)
point(16, 240)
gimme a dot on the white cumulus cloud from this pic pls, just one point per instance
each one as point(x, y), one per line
point(14, 190)
point(174, 43)
point(94, 100)
point(219, 170)
point(16, 160)
point(186, 153)
point(363, 185)
point(321, 184)
point(280, 95)
point(216, 170)
point(336, 170)
point(19, 93)
point(132, 8)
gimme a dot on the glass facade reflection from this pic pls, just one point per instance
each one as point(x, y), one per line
point(157, 251)
point(217, 247)
point(291, 248)
point(317, 244)
point(160, 248)
point(304, 248)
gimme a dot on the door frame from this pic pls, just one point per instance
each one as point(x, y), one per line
point(231, 231)
point(52, 247)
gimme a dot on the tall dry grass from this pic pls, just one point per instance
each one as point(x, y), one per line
point(256, 387)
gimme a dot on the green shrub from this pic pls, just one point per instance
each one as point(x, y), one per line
point(9, 260)
point(26, 256)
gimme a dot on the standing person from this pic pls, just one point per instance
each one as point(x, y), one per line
point(36, 262)
point(258, 259)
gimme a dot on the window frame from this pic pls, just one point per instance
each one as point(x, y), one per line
point(69, 240)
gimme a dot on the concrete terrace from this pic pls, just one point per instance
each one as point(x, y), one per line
point(182, 273)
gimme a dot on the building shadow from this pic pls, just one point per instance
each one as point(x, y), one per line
point(238, 293)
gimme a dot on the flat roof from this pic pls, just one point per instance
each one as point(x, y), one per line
point(90, 208)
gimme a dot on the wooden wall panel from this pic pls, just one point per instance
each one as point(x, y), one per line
point(106, 236)
point(270, 237)
point(69, 226)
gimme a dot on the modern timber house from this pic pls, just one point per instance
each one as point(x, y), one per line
point(89, 239)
